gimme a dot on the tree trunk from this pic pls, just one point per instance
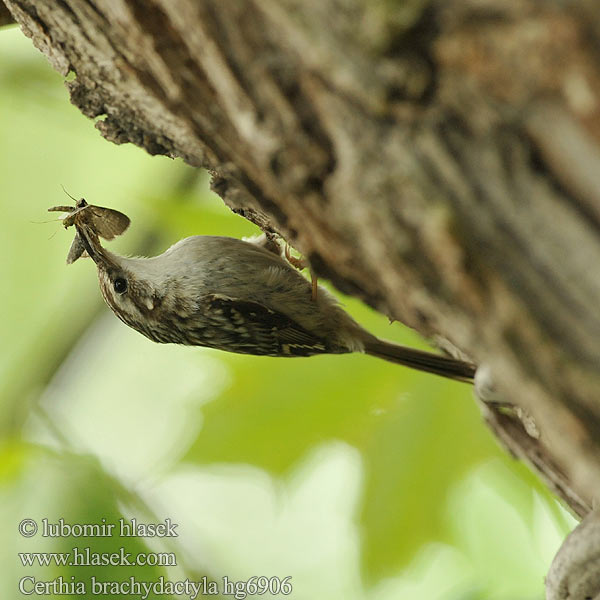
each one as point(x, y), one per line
point(440, 160)
point(5, 16)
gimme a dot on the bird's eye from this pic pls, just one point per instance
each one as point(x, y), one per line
point(120, 285)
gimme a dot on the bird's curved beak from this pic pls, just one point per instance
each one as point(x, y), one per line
point(90, 241)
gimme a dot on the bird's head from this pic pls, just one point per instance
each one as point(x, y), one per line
point(126, 285)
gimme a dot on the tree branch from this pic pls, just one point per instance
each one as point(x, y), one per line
point(5, 16)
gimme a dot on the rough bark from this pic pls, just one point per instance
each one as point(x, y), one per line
point(440, 160)
point(5, 16)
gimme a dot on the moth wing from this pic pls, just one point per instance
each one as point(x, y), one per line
point(77, 249)
point(106, 222)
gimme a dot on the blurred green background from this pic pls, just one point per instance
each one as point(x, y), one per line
point(357, 478)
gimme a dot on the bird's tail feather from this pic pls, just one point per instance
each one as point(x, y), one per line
point(423, 361)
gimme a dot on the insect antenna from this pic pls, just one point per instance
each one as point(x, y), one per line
point(67, 193)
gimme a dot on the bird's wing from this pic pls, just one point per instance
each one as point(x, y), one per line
point(252, 328)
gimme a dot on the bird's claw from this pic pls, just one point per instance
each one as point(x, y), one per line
point(300, 263)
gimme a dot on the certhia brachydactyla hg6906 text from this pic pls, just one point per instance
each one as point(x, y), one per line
point(232, 295)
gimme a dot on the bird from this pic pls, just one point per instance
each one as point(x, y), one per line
point(234, 295)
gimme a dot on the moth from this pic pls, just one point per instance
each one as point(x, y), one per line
point(107, 223)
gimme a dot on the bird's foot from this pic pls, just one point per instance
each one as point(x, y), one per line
point(300, 263)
